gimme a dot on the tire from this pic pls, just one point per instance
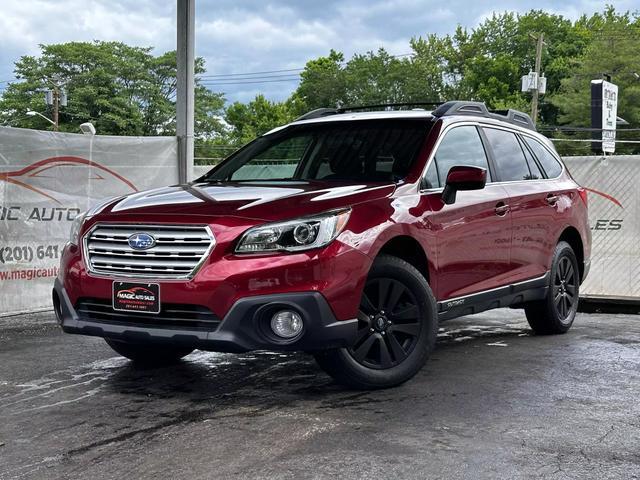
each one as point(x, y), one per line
point(555, 313)
point(149, 353)
point(396, 329)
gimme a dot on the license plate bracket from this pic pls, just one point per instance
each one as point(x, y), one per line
point(136, 297)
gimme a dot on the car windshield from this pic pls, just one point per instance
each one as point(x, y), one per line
point(362, 150)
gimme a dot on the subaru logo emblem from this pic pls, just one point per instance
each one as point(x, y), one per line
point(141, 241)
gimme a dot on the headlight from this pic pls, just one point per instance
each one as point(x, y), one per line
point(294, 235)
point(75, 228)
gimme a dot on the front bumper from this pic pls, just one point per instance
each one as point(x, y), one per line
point(244, 327)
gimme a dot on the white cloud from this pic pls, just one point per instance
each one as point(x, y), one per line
point(254, 35)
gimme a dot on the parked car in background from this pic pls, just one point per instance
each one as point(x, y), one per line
point(349, 235)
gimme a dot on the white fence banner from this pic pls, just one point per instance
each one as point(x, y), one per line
point(46, 179)
point(614, 216)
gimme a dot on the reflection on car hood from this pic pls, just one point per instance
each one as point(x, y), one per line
point(262, 200)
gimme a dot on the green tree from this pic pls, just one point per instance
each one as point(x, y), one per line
point(123, 90)
point(322, 83)
point(613, 51)
point(249, 120)
point(487, 62)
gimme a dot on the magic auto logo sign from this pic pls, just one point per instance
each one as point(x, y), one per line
point(58, 179)
point(131, 297)
point(137, 293)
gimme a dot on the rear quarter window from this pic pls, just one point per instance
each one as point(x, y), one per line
point(550, 164)
point(508, 155)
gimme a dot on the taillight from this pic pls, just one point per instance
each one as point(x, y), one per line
point(583, 195)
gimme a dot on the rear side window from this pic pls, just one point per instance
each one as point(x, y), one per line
point(460, 146)
point(550, 164)
point(508, 155)
point(536, 173)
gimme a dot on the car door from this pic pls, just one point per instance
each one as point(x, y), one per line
point(529, 201)
point(472, 235)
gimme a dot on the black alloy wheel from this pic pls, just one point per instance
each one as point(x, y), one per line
point(388, 324)
point(397, 325)
point(556, 312)
point(564, 288)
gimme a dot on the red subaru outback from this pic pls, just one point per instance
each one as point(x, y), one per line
point(345, 234)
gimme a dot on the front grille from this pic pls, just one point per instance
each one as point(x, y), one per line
point(172, 316)
point(178, 251)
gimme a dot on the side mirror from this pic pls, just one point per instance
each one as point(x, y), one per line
point(463, 177)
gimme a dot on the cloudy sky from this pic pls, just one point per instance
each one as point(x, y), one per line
point(245, 36)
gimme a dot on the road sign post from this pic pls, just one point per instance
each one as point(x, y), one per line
point(604, 111)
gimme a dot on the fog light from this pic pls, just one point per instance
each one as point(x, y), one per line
point(286, 324)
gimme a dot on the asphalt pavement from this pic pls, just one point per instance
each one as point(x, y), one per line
point(494, 402)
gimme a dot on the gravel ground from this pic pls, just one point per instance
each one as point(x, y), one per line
point(493, 402)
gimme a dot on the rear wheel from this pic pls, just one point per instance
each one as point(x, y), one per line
point(397, 328)
point(149, 353)
point(555, 314)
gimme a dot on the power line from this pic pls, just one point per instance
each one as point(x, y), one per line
point(267, 73)
point(266, 77)
point(590, 140)
point(250, 82)
point(251, 73)
point(568, 128)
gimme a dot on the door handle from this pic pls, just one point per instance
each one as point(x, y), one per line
point(552, 199)
point(501, 209)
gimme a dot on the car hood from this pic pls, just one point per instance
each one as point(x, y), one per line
point(259, 200)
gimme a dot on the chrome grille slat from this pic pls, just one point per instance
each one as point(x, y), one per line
point(112, 247)
point(178, 252)
point(150, 256)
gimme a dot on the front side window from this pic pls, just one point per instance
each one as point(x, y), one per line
point(508, 155)
point(363, 150)
point(460, 146)
point(551, 166)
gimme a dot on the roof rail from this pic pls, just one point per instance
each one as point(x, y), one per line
point(324, 112)
point(456, 107)
point(514, 116)
point(479, 109)
point(354, 108)
point(317, 113)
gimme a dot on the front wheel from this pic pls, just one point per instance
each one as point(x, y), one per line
point(397, 329)
point(555, 313)
point(149, 353)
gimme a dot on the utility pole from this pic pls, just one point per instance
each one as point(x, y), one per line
point(185, 87)
point(56, 107)
point(534, 100)
point(56, 97)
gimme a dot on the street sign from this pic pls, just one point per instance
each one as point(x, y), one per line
point(604, 111)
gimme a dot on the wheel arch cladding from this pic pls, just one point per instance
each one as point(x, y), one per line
point(572, 237)
point(409, 250)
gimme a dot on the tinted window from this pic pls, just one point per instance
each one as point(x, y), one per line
point(551, 166)
point(508, 155)
point(460, 146)
point(431, 177)
point(364, 150)
point(536, 173)
point(278, 161)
